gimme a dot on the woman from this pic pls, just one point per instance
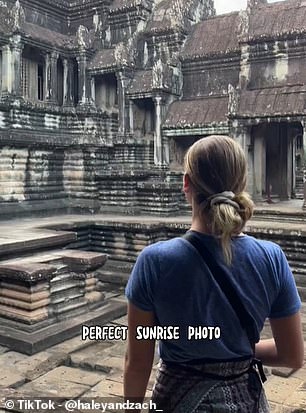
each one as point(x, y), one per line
point(209, 367)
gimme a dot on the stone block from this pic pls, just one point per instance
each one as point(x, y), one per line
point(64, 389)
point(111, 365)
point(30, 273)
point(52, 362)
point(298, 397)
point(25, 305)
point(10, 379)
point(11, 359)
point(25, 316)
point(82, 261)
point(300, 374)
point(27, 289)
point(72, 375)
point(28, 297)
point(283, 371)
point(3, 350)
point(106, 388)
point(67, 327)
point(109, 388)
point(279, 389)
point(92, 356)
point(121, 321)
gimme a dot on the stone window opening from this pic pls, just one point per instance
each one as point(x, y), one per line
point(106, 92)
point(40, 82)
point(178, 149)
point(0, 72)
point(32, 75)
point(75, 83)
point(144, 117)
point(60, 82)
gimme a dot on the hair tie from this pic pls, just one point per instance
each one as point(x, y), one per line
point(225, 197)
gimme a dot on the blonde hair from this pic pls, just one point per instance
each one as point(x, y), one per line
point(214, 165)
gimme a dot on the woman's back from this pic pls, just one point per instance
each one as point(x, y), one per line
point(171, 286)
point(173, 281)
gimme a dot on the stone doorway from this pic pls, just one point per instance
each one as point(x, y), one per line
point(274, 155)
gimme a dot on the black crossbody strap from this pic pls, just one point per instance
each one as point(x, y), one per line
point(222, 278)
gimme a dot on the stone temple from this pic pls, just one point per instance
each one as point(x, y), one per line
point(99, 101)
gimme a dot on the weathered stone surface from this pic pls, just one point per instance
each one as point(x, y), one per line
point(42, 338)
point(92, 356)
point(283, 371)
point(298, 398)
point(63, 382)
point(106, 388)
point(11, 379)
point(81, 261)
point(62, 389)
point(31, 273)
point(72, 375)
point(53, 361)
point(279, 389)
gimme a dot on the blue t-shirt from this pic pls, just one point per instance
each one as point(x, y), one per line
point(171, 279)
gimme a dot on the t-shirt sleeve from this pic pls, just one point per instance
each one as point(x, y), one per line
point(287, 301)
point(142, 282)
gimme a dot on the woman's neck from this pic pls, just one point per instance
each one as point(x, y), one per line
point(198, 224)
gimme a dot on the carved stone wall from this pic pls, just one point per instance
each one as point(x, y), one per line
point(101, 99)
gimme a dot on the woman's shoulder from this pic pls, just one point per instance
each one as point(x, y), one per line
point(250, 242)
point(260, 252)
point(173, 246)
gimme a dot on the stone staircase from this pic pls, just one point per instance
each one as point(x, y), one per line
point(299, 184)
point(47, 293)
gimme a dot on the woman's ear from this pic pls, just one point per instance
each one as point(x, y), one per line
point(186, 184)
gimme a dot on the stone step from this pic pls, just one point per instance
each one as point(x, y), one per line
point(114, 277)
point(119, 266)
point(42, 292)
point(26, 243)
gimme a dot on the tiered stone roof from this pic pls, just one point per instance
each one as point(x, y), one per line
point(44, 35)
point(217, 35)
point(194, 113)
point(276, 19)
point(277, 101)
point(103, 59)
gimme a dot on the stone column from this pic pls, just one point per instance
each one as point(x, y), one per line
point(259, 164)
point(250, 160)
point(54, 80)
point(283, 148)
point(16, 55)
point(131, 116)
point(82, 81)
point(290, 163)
point(65, 82)
point(304, 162)
point(47, 76)
point(240, 135)
point(158, 147)
point(122, 80)
point(68, 83)
point(6, 70)
point(245, 71)
point(71, 88)
point(93, 90)
point(165, 141)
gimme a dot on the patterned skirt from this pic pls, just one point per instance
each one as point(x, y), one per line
point(227, 387)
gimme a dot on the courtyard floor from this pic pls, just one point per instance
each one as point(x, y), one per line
point(76, 369)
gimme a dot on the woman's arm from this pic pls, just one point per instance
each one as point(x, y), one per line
point(286, 349)
point(139, 355)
